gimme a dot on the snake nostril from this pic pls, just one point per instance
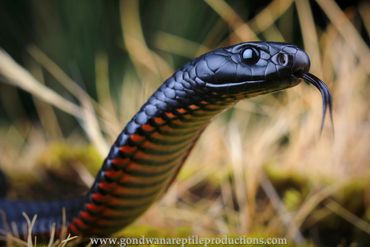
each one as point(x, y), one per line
point(301, 63)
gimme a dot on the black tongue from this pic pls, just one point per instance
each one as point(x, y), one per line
point(327, 101)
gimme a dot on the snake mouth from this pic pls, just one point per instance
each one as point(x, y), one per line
point(233, 84)
point(327, 100)
point(299, 74)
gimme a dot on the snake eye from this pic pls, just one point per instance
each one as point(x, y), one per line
point(250, 56)
point(283, 59)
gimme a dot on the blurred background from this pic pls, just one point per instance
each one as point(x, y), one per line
point(72, 73)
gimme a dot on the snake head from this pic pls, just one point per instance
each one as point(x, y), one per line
point(253, 68)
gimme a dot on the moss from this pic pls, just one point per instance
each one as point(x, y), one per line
point(57, 166)
point(150, 231)
point(60, 153)
point(352, 195)
point(367, 213)
point(287, 180)
point(292, 199)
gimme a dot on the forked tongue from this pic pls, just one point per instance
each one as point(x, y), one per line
point(327, 101)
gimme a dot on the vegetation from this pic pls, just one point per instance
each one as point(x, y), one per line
point(79, 70)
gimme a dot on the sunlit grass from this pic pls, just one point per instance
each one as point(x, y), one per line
point(263, 142)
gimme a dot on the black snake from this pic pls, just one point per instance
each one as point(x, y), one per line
point(149, 152)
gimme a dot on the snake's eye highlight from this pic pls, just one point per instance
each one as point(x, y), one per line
point(250, 56)
point(283, 59)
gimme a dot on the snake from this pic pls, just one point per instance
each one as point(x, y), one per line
point(148, 154)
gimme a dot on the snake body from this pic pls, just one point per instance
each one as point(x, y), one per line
point(149, 152)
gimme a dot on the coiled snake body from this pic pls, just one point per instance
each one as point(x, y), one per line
point(151, 149)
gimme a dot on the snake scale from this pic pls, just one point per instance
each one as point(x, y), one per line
point(149, 152)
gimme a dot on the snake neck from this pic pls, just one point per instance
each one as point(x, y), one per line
point(148, 154)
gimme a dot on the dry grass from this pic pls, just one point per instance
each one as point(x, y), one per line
point(30, 241)
point(243, 147)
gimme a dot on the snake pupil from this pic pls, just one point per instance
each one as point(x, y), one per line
point(250, 56)
point(282, 59)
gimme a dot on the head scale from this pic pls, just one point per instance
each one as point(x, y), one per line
point(253, 67)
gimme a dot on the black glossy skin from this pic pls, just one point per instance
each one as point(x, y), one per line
point(151, 149)
point(225, 68)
